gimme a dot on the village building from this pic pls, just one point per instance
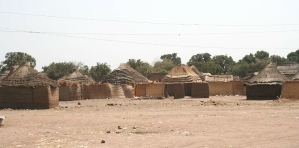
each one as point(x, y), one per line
point(25, 88)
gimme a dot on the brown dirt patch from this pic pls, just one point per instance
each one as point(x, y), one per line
point(220, 121)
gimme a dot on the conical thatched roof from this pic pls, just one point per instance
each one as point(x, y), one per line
point(181, 73)
point(77, 76)
point(296, 77)
point(268, 76)
point(199, 73)
point(2, 76)
point(125, 74)
point(25, 76)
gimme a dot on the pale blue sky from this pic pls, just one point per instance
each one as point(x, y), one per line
point(114, 31)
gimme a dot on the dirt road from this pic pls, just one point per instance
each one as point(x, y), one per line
point(169, 123)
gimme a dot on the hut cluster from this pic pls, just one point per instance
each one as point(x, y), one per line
point(24, 87)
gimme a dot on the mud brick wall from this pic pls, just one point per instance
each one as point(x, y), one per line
point(26, 98)
point(155, 90)
point(140, 90)
point(200, 90)
point(187, 89)
point(170, 89)
point(221, 88)
point(263, 92)
point(70, 93)
point(179, 91)
point(96, 91)
point(238, 88)
point(290, 90)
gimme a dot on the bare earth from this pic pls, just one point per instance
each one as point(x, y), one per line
point(217, 121)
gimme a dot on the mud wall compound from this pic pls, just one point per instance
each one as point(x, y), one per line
point(290, 90)
point(41, 97)
point(263, 92)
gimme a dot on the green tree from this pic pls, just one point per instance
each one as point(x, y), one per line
point(100, 71)
point(241, 69)
point(143, 68)
point(263, 55)
point(208, 67)
point(249, 58)
point(293, 56)
point(164, 66)
point(224, 61)
point(278, 59)
point(203, 57)
point(16, 58)
point(58, 70)
point(173, 57)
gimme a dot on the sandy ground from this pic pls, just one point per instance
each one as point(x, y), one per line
point(219, 121)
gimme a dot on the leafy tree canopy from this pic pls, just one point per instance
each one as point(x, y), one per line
point(164, 66)
point(261, 55)
point(58, 70)
point(203, 57)
point(224, 62)
point(16, 58)
point(143, 68)
point(100, 71)
point(173, 57)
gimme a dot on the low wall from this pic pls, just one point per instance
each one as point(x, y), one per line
point(70, 93)
point(238, 88)
point(290, 90)
point(179, 91)
point(149, 90)
point(200, 90)
point(263, 92)
point(140, 90)
point(221, 88)
point(96, 91)
point(41, 97)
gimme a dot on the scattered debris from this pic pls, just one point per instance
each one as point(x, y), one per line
point(103, 141)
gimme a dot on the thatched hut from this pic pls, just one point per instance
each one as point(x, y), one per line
point(70, 85)
point(27, 88)
point(288, 69)
point(125, 74)
point(77, 76)
point(265, 85)
point(181, 73)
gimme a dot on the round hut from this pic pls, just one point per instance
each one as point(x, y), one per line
point(125, 74)
point(71, 86)
point(266, 85)
point(179, 81)
point(26, 88)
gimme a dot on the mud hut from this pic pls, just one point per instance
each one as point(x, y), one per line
point(125, 74)
point(77, 76)
point(265, 85)
point(181, 73)
point(27, 88)
point(70, 86)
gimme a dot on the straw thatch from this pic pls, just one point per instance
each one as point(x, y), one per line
point(25, 76)
point(288, 69)
point(158, 77)
point(2, 76)
point(296, 76)
point(199, 73)
point(125, 74)
point(268, 76)
point(219, 78)
point(78, 77)
point(181, 73)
